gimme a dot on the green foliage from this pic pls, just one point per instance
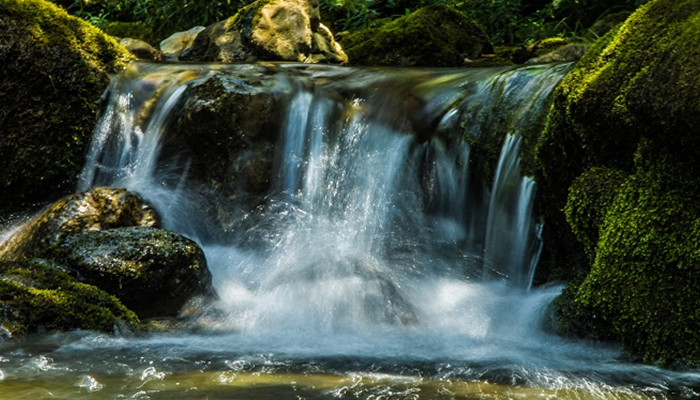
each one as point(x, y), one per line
point(164, 17)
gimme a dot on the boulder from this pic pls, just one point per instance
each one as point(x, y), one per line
point(643, 286)
point(637, 88)
point(436, 36)
point(277, 30)
point(232, 165)
point(37, 296)
point(94, 210)
point(152, 271)
point(55, 68)
point(107, 237)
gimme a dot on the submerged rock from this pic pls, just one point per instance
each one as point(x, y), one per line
point(55, 68)
point(632, 104)
point(436, 36)
point(107, 237)
point(277, 30)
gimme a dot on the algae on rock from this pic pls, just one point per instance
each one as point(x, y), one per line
point(55, 68)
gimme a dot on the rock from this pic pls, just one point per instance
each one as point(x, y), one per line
point(36, 296)
point(55, 68)
point(179, 43)
point(152, 271)
point(107, 237)
point(277, 30)
point(436, 35)
point(638, 87)
point(232, 165)
point(643, 287)
point(570, 52)
point(94, 210)
point(141, 49)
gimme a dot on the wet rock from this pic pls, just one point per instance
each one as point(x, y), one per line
point(284, 30)
point(436, 35)
point(55, 68)
point(232, 165)
point(152, 271)
point(94, 210)
point(107, 237)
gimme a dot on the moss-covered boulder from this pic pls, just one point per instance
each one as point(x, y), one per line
point(436, 35)
point(619, 155)
point(36, 296)
point(269, 30)
point(640, 81)
point(644, 286)
point(55, 68)
point(152, 271)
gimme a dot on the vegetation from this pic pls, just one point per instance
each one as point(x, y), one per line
point(509, 22)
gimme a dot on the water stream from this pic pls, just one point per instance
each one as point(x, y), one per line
point(378, 263)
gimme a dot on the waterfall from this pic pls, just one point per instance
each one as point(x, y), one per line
point(373, 199)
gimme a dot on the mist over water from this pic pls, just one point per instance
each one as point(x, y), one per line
point(378, 252)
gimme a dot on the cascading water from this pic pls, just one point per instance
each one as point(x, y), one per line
point(377, 263)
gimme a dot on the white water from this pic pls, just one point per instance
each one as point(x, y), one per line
point(376, 251)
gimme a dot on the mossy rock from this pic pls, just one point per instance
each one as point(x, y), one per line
point(152, 271)
point(55, 68)
point(642, 290)
point(36, 296)
point(639, 82)
point(436, 36)
point(588, 201)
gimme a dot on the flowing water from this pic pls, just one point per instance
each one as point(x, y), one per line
point(381, 261)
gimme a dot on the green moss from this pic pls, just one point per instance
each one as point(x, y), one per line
point(640, 81)
point(643, 286)
point(436, 35)
point(55, 69)
point(587, 204)
point(35, 296)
